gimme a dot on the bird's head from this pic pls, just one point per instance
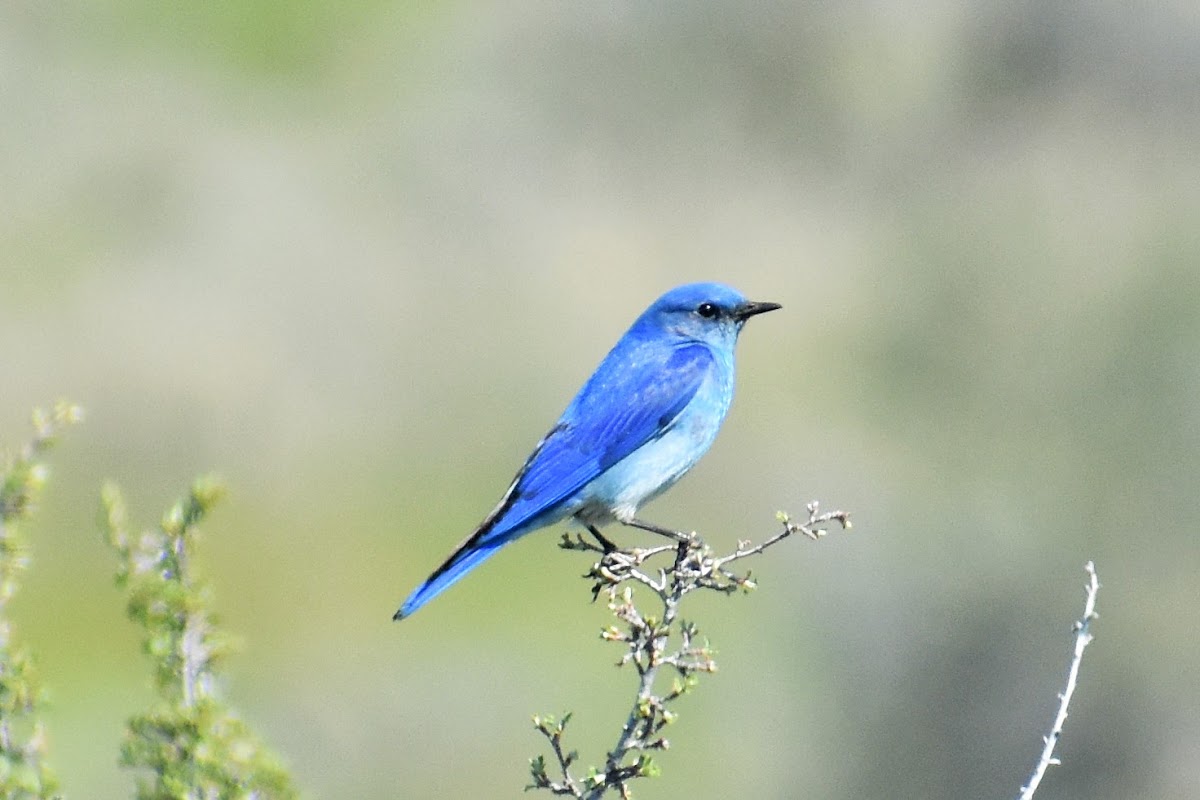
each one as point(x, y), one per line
point(705, 312)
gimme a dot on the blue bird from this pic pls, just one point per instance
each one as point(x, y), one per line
point(645, 417)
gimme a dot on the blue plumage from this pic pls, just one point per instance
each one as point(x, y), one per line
point(645, 417)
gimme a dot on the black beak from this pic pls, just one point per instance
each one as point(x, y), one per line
point(748, 309)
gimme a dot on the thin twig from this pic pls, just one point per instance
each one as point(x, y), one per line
point(1083, 638)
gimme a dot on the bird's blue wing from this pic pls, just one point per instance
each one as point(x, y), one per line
point(635, 396)
point(632, 398)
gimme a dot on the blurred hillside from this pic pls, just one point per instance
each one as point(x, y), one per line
point(357, 258)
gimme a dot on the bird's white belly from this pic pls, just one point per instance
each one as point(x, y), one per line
point(648, 471)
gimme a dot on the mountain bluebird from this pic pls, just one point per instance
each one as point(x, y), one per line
point(645, 417)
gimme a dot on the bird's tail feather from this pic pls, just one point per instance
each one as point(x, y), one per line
point(462, 562)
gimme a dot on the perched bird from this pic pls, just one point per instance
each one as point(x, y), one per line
point(645, 417)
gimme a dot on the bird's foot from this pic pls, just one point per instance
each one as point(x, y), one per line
point(605, 543)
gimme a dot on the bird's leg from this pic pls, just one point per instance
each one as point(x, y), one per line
point(647, 526)
point(604, 541)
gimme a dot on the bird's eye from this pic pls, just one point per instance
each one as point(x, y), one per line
point(706, 310)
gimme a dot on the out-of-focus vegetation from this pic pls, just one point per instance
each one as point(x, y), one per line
point(359, 259)
point(190, 744)
point(24, 771)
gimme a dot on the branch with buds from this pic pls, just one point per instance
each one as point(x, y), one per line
point(684, 566)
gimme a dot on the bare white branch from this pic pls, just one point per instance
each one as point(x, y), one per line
point(1083, 638)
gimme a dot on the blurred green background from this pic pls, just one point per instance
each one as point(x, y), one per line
point(358, 257)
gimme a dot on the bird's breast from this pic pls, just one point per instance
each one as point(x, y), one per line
point(655, 466)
